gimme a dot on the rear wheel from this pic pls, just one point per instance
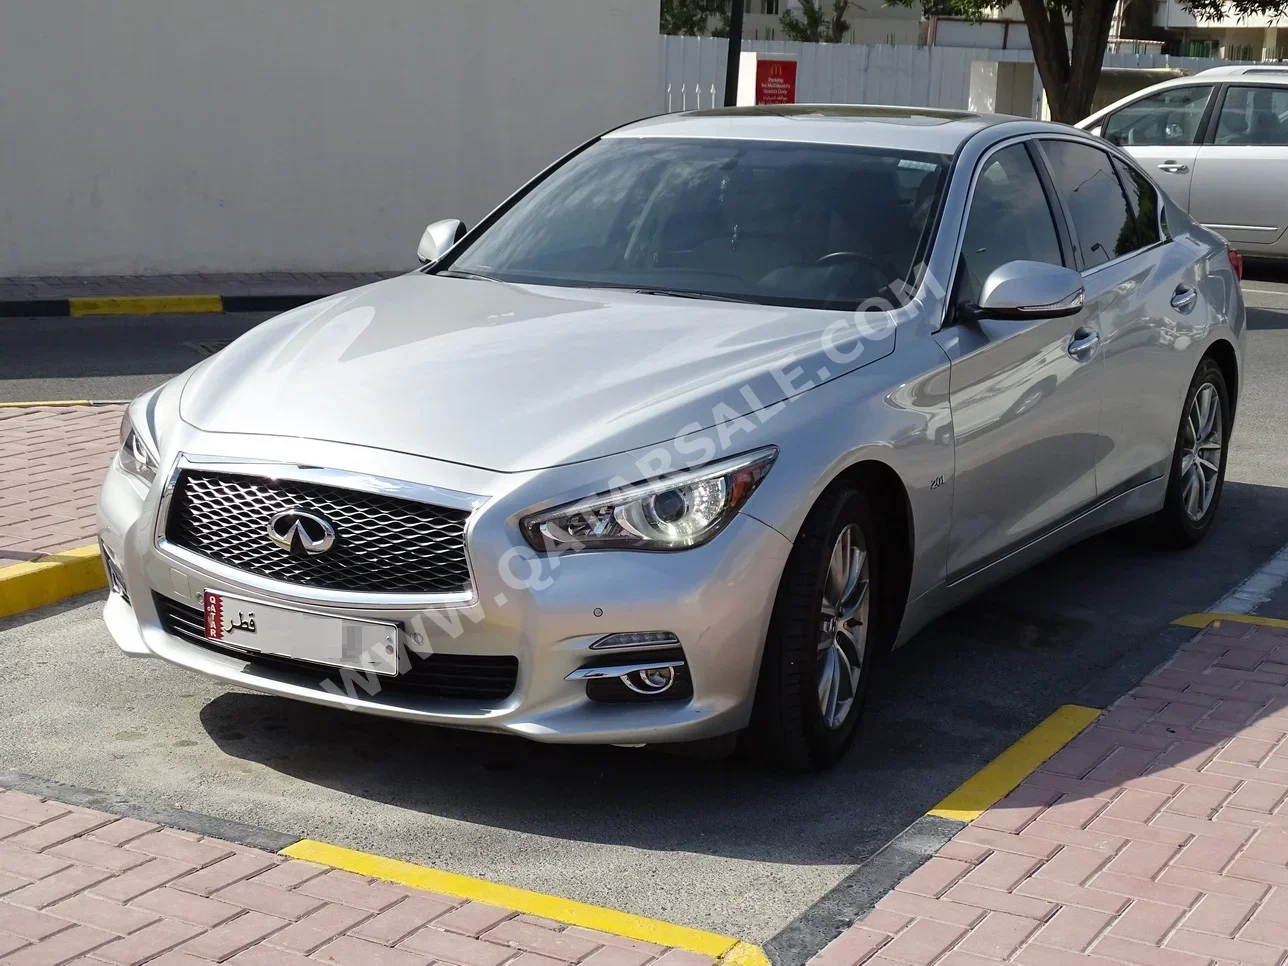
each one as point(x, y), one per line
point(825, 638)
point(1198, 461)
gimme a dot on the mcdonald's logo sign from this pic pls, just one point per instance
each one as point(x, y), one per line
point(775, 82)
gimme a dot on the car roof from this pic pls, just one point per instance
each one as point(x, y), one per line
point(1268, 75)
point(862, 125)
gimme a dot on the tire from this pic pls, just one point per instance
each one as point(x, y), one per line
point(793, 728)
point(1177, 524)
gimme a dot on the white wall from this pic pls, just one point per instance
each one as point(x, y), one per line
point(251, 135)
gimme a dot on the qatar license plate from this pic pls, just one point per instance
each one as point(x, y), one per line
point(251, 625)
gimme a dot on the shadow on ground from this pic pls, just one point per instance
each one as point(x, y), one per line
point(950, 701)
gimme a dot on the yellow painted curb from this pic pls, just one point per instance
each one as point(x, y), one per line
point(146, 305)
point(726, 948)
point(1203, 620)
point(46, 403)
point(50, 579)
point(992, 783)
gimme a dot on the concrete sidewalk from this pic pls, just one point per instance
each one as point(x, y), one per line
point(86, 887)
point(1158, 837)
point(52, 461)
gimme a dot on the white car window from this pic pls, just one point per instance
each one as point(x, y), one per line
point(1171, 116)
point(1253, 115)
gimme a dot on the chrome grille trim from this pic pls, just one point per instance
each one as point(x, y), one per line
point(449, 502)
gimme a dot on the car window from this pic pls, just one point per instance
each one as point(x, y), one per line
point(1253, 115)
point(1171, 116)
point(781, 223)
point(1009, 219)
point(1103, 220)
point(1144, 229)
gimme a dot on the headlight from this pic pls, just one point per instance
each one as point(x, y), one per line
point(137, 457)
point(673, 513)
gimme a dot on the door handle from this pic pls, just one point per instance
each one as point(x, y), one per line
point(1173, 167)
point(1185, 299)
point(1083, 344)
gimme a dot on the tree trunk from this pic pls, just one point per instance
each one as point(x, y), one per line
point(1070, 78)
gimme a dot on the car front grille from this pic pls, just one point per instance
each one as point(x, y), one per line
point(383, 544)
point(470, 677)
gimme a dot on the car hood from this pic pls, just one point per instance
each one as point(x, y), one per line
point(509, 377)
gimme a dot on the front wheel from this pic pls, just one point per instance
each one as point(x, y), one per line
point(1198, 460)
point(825, 639)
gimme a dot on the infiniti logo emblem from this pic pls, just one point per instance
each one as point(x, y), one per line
point(302, 533)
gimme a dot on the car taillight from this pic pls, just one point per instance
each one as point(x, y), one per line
point(1236, 263)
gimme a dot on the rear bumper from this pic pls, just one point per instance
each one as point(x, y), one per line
point(716, 599)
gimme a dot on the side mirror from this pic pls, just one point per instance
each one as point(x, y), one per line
point(1023, 290)
point(438, 238)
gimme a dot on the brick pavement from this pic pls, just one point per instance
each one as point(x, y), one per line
point(1158, 837)
point(91, 889)
point(52, 462)
point(232, 284)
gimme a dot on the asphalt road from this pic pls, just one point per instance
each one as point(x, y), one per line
point(717, 845)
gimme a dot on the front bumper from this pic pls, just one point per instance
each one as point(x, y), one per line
point(716, 599)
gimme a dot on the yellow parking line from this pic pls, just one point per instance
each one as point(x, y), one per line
point(1203, 620)
point(726, 948)
point(146, 305)
point(991, 783)
point(50, 579)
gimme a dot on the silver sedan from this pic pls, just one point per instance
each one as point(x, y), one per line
point(687, 434)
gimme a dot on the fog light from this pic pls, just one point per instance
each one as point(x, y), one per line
point(653, 680)
point(115, 579)
point(637, 639)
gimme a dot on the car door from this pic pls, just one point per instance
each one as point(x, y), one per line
point(1162, 131)
point(1239, 186)
point(1024, 394)
point(1144, 294)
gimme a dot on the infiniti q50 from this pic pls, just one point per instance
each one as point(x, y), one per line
point(685, 436)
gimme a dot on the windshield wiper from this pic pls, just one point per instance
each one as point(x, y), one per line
point(706, 296)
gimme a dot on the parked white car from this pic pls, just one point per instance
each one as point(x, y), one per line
point(1217, 143)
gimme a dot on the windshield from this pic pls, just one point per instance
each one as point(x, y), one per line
point(776, 223)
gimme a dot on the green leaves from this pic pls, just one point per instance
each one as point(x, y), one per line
point(816, 26)
point(692, 17)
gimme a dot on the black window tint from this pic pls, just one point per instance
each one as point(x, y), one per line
point(1142, 229)
point(1085, 179)
point(1009, 219)
point(1253, 115)
point(1171, 116)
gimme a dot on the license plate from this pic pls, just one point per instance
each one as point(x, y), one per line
point(251, 625)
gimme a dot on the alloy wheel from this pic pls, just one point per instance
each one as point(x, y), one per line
point(1203, 444)
point(842, 643)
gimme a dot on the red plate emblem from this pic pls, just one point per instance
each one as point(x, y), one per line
point(214, 617)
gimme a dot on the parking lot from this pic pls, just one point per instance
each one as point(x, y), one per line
point(715, 845)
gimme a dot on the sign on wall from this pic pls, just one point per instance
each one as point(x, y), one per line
point(766, 79)
point(775, 81)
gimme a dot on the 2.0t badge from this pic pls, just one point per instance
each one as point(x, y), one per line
point(303, 533)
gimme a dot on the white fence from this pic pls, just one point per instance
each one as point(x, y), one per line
point(692, 71)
